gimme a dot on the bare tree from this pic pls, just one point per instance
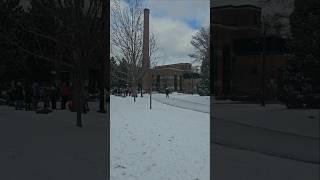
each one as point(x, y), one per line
point(127, 37)
point(275, 16)
point(274, 22)
point(77, 44)
point(201, 44)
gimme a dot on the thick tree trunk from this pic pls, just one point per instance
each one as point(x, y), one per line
point(78, 57)
point(77, 102)
point(105, 54)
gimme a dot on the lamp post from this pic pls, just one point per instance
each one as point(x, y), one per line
point(104, 63)
point(192, 78)
point(151, 85)
point(191, 82)
point(263, 57)
point(150, 90)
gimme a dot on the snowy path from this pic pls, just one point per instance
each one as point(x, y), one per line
point(50, 146)
point(200, 104)
point(162, 143)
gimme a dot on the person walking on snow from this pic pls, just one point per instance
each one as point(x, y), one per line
point(134, 94)
point(167, 92)
point(54, 96)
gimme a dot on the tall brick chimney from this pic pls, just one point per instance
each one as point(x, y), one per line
point(146, 80)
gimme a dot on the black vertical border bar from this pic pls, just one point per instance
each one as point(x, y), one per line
point(108, 88)
point(211, 55)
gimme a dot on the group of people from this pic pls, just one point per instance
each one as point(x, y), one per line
point(124, 92)
point(28, 96)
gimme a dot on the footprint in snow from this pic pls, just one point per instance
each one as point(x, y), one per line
point(119, 166)
point(171, 138)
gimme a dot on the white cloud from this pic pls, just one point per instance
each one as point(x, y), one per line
point(173, 39)
point(174, 32)
point(169, 20)
point(183, 10)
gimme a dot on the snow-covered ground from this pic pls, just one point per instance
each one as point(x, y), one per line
point(186, 101)
point(255, 142)
point(167, 142)
point(50, 146)
point(196, 98)
point(163, 143)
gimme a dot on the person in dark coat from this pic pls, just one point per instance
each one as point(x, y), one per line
point(134, 94)
point(35, 95)
point(167, 92)
point(130, 89)
point(28, 97)
point(54, 95)
point(46, 97)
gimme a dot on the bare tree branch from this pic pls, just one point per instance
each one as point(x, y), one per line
point(127, 36)
point(201, 43)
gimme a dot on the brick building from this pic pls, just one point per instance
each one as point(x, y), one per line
point(178, 77)
point(237, 47)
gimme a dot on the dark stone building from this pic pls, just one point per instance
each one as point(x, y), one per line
point(177, 77)
point(237, 53)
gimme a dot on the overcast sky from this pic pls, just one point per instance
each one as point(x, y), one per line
point(174, 22)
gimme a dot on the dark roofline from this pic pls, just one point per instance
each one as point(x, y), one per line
point(236, 7)
point(173, 64)
point(166, 65)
